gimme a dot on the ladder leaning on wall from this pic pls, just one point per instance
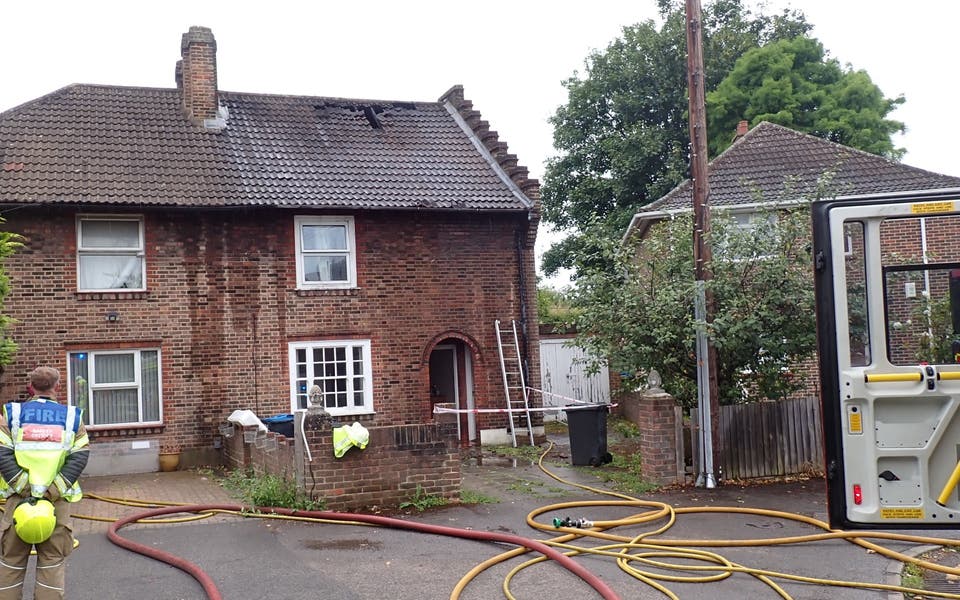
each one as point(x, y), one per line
point(514, 384)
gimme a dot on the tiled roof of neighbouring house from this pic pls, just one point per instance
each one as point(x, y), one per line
point(91, 144)
point(772, 163)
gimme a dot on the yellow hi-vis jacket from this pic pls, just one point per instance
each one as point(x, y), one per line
point(43, 445)
point(348, 436)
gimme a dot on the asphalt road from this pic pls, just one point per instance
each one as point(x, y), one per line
point(254, 558)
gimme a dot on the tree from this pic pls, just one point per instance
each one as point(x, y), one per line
point(639, 315)
point(793, 83)
point(9, 244)
point(554, 307)
point(623, 134)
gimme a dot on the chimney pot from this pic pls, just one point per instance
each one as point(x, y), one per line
point(742, 128)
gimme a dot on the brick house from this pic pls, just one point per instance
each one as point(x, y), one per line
point(771, 166)
point(191, 251)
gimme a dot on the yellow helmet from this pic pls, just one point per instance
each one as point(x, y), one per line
point(34, 520)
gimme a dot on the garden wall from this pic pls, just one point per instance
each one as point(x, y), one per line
point(388, 471)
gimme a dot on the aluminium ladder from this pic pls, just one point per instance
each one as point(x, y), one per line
point(514, 384)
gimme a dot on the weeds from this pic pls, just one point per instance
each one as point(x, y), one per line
point(625, 428)
point(912, 576)
point(421, 500)
point(472, 497)
point(625, 474)
point(531, 453)
point(257, 489)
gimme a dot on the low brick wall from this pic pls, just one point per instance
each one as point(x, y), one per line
point(387, 472)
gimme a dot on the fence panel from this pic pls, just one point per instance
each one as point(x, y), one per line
point(766, 439)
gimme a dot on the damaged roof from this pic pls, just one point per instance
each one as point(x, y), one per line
point(91, 144)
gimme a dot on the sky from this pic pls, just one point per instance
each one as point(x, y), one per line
point(511, 56)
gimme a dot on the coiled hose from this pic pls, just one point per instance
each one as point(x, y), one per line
point(668, 559)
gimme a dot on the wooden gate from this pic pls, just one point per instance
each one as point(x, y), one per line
point(563, 370)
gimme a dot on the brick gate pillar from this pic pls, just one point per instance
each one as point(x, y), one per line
point(655, 412)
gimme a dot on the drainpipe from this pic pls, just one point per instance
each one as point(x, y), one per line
point(522, 283)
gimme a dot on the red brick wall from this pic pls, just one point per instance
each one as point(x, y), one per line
point(222, 305)
point(396, 460)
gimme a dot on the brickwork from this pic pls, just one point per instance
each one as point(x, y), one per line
point(197, 74)
point(222, 306)
point(388, 471)
point(655, 415)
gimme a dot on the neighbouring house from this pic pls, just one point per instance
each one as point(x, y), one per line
point(771, 166)
point(191, 251)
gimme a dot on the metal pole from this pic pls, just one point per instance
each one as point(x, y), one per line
point(707, 391)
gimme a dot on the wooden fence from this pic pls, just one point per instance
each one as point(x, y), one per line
point(766, 439)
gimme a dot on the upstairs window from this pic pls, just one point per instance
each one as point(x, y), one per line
point(326, 254)
point(110, 254)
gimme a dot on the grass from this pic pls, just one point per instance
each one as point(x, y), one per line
point(421, 501)
point(912, 576)
point(473, 497)
point(625, 475)
point(258, 489)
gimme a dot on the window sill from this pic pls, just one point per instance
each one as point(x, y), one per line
point(96, 432)
point(114, 295)
point(308, 293)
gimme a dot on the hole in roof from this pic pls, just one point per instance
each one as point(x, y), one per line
point(371, 115)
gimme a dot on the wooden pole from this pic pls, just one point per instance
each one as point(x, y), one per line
point(708, 392)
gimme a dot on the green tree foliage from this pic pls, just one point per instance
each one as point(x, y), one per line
point(554, 307)
point(9, 244)
point(639, 315)
point(623, 134)
point(793, 83)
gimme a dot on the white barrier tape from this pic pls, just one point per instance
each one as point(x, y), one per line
point(440, 409)
point(567, 398)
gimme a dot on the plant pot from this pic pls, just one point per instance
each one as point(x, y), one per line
point(169, 461)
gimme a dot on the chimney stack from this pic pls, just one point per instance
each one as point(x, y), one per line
point(742, 128)
point(196, 77)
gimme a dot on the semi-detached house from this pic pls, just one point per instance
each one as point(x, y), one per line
point(189, 252)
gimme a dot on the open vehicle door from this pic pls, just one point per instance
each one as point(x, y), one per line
point(887, 276)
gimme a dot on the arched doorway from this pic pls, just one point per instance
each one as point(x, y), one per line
point(451, 381)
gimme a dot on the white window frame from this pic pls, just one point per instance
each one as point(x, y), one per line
point(137, 383)
point(350, 251)
point(367, 375)
point(139, 251)
point(748, 221)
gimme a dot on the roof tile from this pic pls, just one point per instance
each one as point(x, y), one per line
point(772, 163)
point(88, 143)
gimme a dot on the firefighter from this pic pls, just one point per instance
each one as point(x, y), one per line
point(43, 450)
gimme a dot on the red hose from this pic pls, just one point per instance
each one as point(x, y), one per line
point(214, 594)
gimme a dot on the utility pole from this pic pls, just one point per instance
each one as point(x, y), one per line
point(707, 391)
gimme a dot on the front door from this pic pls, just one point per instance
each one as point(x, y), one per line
point(451, 380)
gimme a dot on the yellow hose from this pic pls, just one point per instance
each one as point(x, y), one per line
point(698, 565)
point(637, 555)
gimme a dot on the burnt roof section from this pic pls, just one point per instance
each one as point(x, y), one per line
point(772, 163)
point(91, 144)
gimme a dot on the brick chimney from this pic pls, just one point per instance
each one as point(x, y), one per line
point(196, 77)
point(742, 128)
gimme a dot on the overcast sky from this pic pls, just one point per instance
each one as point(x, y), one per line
point(510, 56)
